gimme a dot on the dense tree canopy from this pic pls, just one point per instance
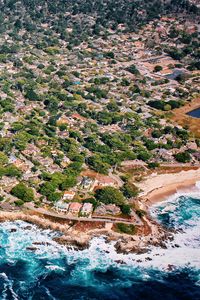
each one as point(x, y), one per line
point(110, 195)
point(23, 192)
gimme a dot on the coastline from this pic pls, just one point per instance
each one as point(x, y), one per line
point(80, 240)
point(158, 187)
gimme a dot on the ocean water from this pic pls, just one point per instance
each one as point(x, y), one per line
point(53, 272)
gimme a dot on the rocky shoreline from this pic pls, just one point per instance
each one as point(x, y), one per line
point(78, 234)
point(80, 240)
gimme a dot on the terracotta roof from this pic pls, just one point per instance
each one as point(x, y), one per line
point(76, 206)
point(166, 71)
point(69, 193)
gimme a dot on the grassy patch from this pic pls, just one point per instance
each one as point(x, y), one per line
point(124, 228)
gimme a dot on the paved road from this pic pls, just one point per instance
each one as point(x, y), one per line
point(70, 218)
point(178, 165)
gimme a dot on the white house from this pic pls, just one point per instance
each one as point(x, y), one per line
point(62, 207)
point(86, 209)
point(68, 195)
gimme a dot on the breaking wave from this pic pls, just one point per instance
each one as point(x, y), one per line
point(34, 266)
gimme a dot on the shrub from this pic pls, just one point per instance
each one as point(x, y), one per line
point(129, 229)
point(183, 157)
point(167, 107)
point(140, 213)
point(130, 190)
point(158, 68)
point(19, 202)
point(132, 69)
point(153, 165)
point(126, 209)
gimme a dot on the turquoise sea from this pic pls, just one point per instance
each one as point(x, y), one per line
point(55, 272)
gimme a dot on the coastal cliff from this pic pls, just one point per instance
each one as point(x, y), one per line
point(153, 233)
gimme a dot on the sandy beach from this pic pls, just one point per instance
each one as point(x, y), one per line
point(156, 187)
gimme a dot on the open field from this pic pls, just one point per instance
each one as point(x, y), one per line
point(180, 116)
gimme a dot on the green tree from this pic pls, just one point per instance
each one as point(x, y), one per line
point(54, 197)
point(157, 68)
point(23, 192)
point(47, 188)
point(141, 213)
point(110, 195)
point(12, 171)
point(153, 165)
point(183, 157)
point(126, 209)
point(130, 190)
point(19, 202)
point(16, 126)
point(96, 163)
point(110, 55)
point(3, 158)
point(68, 182)
point(132, 69)
point(21, 139)
point(31, 95)
point(144, 155)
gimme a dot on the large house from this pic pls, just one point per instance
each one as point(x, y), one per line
point(88, 183)
point(62, 207)
point(86, 209)
point(110, 209)
point(31, 149)
point(104, 181)
point(75, 207)
point(68, 195)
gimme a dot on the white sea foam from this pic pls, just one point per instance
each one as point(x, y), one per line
point(49, 294)
point(182, 252)
point(186, 255)
point(54, 268)
point(198, 185)
point(101, 255)
point(8, 286)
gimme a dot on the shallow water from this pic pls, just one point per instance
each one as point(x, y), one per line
point(53, 272)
